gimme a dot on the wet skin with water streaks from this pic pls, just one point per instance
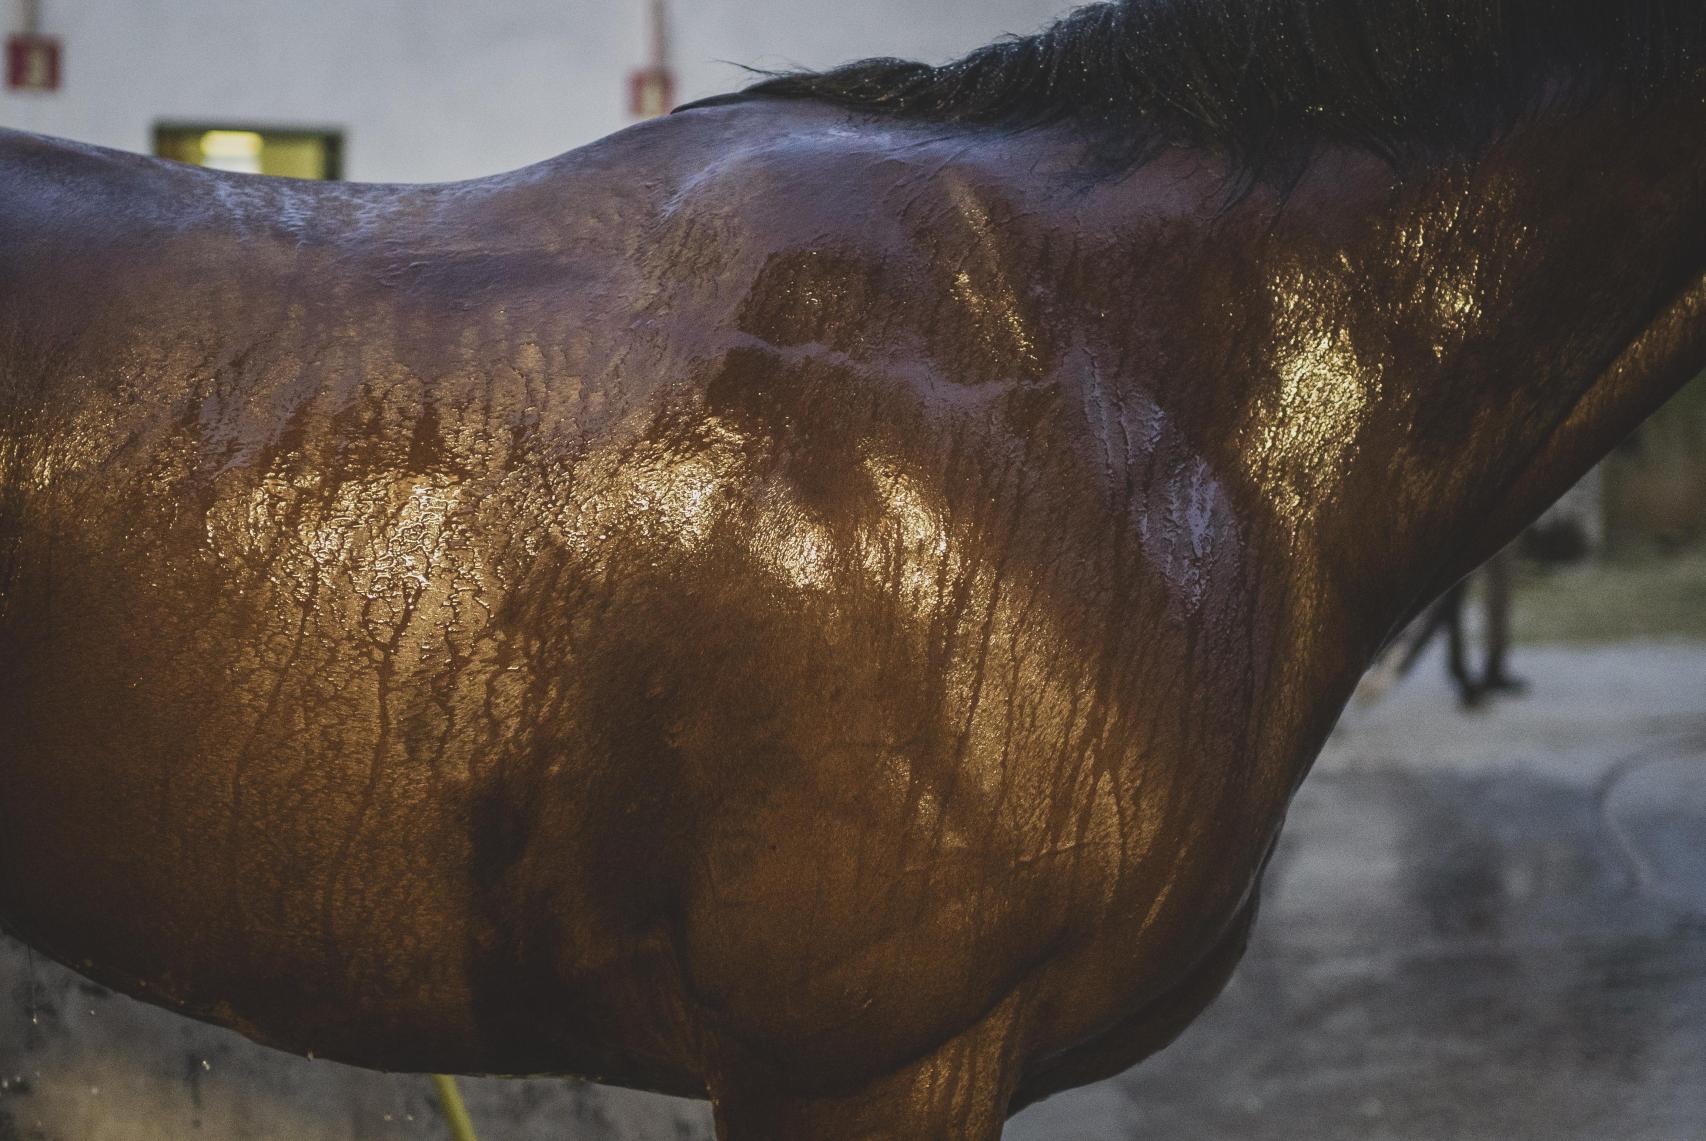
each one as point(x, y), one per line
point(818, 612)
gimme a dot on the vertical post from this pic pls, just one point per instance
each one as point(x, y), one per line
point(660, 36)
point(651, 88)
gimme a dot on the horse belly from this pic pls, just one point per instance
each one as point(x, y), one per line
point(255, 794)
point(160, 829)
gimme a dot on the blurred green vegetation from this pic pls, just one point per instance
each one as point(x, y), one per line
point(1650, 582)
point(1655, 483)
point(1639, 594)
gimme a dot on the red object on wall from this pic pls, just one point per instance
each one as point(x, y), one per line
point(651, 92)
point(32, 63)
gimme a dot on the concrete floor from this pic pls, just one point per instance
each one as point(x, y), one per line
point(1489, 926)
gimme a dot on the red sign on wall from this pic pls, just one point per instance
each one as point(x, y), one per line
point(32, 63)
point(651, 92)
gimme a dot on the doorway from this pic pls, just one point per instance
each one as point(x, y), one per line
point(290, 153)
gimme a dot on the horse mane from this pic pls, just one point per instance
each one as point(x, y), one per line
point(1268, 81)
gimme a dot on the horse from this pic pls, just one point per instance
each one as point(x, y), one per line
point(821, 600)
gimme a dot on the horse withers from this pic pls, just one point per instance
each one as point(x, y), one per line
point(820, 601)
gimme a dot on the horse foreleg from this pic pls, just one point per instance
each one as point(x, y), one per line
point(959, 1092)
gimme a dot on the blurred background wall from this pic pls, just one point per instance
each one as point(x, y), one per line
point(427, 90)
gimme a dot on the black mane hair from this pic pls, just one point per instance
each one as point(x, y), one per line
point(1268, 81)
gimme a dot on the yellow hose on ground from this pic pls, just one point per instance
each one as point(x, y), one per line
point(455, 1113)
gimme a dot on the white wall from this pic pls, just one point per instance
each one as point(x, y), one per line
point(441, 89)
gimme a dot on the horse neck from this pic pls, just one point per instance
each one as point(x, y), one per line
point(1434, 363)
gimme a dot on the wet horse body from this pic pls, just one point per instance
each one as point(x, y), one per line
point(819, 611)
point(458, 690)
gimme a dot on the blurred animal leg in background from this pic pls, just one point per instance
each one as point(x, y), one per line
point(1500, 585)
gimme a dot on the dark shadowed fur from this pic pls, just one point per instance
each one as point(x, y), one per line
point(1268, 80)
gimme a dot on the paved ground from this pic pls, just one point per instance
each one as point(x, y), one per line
point(1478, 927)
